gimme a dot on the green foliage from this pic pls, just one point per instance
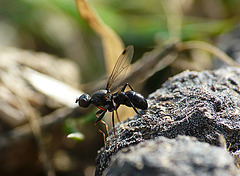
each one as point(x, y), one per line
point(54, 26)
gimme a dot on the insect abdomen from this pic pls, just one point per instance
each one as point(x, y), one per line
point(137, 99)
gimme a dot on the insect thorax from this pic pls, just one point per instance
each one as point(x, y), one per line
point(99, 98)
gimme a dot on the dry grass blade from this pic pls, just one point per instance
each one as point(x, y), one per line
point(47, 121)
point(57, 90)
point(23, 103)
point(174, 16)
point(33, 117)
point(210, 48)
point(112, 44)
point(151, 62)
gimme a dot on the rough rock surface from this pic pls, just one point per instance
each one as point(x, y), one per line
point(203, 104)
point(180, 156)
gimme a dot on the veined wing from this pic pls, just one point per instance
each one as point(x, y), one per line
point(121, 64)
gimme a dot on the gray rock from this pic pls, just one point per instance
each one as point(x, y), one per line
point(204, 105)
point(176, 157)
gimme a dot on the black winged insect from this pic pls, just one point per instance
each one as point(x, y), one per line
point(105, 100)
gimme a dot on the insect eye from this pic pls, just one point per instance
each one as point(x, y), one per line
point(84, 100)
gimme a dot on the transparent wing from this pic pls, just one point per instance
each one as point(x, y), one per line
point(122, 63)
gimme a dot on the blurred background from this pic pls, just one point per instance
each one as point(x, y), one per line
point(49, 38)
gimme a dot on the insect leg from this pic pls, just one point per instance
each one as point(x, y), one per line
point(114, 132)
point(117, 116)
point(102, 110)
point(113, 124)
point(99, 119)
point(127, 84)
point(135, 109)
